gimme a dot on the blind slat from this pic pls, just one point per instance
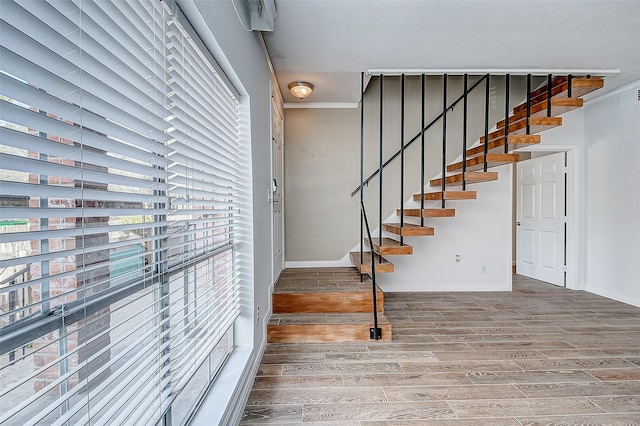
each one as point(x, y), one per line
point(122, 164)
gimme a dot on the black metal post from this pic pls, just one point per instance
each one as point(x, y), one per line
point(375, 332)
point(506, 113)
point(569, 81)
point(528, 103)
point(464, 133)
point(444, 135)
point(423, 112)
point(486, 120)
point(402, 159)
point(381, 161)
point(362, 172)
point(549, 94)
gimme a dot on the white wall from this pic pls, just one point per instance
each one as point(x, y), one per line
point(480, 233)
point(605, 138)
point(612, 142)
point(240, 54)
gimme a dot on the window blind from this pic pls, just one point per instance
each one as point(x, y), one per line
point(119, 164)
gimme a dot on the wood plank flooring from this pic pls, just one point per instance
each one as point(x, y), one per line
point(540, 355)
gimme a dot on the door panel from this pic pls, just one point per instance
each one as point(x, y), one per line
point(277, 188)
point(540, 212)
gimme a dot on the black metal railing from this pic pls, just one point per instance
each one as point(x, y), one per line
point(418, 135)
point(375, 332)
point(521, 119)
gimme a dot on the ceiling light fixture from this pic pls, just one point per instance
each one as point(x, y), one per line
point(300, 89)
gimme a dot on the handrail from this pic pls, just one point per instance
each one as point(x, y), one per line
point(431, 123)
point(375, 332)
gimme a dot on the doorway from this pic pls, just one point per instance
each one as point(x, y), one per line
point(542, 218)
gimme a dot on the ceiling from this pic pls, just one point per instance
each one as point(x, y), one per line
point(329, 42)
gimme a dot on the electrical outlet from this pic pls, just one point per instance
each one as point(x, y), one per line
point(257, 315)
point(484, 269)
point(458, 259)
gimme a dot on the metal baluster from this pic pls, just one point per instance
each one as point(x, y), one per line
point(423, 106)
point(506, 113)
point(549, 94)
point(444, 135)
point(381, 161)
point(486, 120)
point(402, 160)
point(528, 103)
point(464, 134)
point(362, 173)
point(569, 82)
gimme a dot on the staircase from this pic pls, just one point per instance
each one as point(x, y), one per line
point(543, 115)
point(323, 305)
point(335, 304)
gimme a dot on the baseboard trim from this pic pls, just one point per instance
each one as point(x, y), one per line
point(344, 262)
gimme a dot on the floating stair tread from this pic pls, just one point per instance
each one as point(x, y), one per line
point(477, 163)
point(470, 177)
point(321, 328)
point(558, 106)
point(390, 247)
point(515, 142)
point(427, 212)
point(580, 86)
point(448, 195)
point(536, 125)
point(381, 267)
point(408, 229)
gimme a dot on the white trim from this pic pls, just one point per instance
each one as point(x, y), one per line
point(225, 402)
point(344, 262)
point(513, 71)
point(336, 105)
point(606, 292)
point(618, 91)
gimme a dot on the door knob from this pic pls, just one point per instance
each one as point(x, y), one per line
point(517, 223)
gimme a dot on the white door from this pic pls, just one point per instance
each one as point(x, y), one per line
point(541, 218)
point(277, 190)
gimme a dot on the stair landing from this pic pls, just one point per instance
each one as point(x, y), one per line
point(324, 305)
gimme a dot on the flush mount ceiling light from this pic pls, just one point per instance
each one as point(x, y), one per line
point(300, 89)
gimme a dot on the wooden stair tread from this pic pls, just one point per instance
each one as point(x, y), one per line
point(497, 145)
point(448, 195)
point(427, 212)
point(536, 125)
point(389, 247)
point(331, 280)
point(365, 268)
point(580, 86)
point(470, 177)
point(477, 163)
point(322, 328)
point(558, 106)
point(408, 229)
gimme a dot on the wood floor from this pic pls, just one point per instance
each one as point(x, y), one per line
point(540, 355)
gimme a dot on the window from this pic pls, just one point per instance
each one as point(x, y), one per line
point(120, 160)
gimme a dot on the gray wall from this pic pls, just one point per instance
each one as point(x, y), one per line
point(322, 151)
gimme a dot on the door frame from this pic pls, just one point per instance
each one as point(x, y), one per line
point(274, 101)
point(572, 238)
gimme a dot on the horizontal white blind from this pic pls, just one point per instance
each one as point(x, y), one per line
point(119, 164)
